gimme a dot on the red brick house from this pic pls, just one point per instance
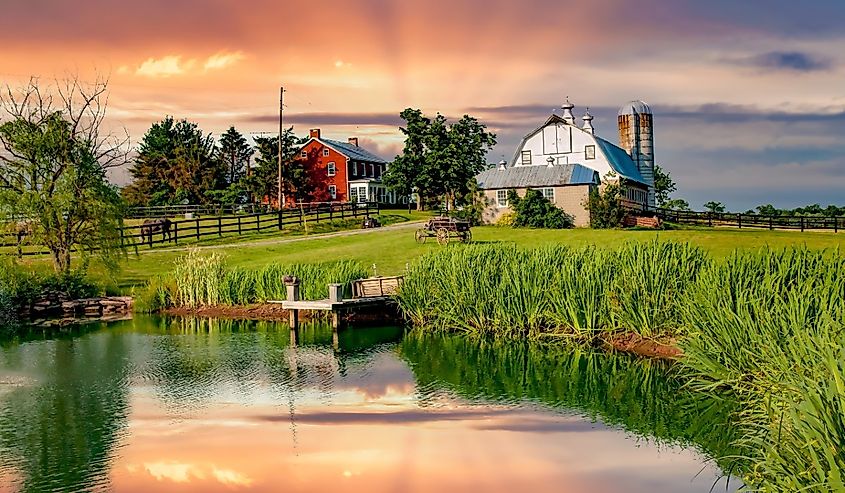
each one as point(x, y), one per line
point(342, 171)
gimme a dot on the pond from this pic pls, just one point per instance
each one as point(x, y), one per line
point(175, 404)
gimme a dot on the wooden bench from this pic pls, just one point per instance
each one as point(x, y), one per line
point(375, 287)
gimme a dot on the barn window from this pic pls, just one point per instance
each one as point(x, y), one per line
point(548, 193)
point(303, 154)
point(325, 152)
point(589, 152)
point(332, 168)
point(354, 169)
point(333, 191)
point(526, 157)
point(502, 198)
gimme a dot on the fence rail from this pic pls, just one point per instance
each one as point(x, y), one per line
point(196, 229)
point(802, 223)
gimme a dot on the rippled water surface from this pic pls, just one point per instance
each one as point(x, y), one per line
point(158, 404)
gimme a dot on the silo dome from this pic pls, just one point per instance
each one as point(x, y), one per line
point(635, 107)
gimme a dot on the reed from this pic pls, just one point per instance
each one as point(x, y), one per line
point(553, 290)
point(206, 280)
point(767, 327)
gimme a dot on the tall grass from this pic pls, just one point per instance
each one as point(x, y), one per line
point(770, 328)
point(553, 290)
point(206, 280)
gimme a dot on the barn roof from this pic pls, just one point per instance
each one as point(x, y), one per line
point(536, 176)
point(620, 161)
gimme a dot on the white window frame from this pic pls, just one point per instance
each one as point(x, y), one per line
point(333, 192)
point(326, 152)
point(372, 170)
point(501, 198)
point(303, 154)
point(331, 168)
point(354, 169)
point(589, 152)
point(523, 156)
point(549, 193)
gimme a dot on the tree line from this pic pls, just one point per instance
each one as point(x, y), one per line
point(178, 163)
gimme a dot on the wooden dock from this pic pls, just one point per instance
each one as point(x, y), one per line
point(368, 293)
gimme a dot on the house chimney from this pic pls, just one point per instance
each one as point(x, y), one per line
point(315, 133)
point(353, 141)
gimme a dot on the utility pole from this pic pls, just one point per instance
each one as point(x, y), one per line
point(281, 137)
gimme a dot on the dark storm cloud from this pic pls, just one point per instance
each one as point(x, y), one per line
point(791, 61)
point(383, 119)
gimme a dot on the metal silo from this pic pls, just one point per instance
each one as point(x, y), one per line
point(636, 136)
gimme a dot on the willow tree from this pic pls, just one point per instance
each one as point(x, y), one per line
point(53, 166)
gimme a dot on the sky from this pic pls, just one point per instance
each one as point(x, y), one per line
point(748, 97)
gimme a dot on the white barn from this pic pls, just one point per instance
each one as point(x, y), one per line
point(559, 142)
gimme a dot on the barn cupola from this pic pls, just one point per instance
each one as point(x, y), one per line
point(588, 122)
point(503, 165)
point(551, 161)
point(567, 108)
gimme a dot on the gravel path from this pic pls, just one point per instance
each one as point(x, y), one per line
point(279, 241)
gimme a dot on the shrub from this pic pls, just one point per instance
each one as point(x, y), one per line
point(506, 219)
point(535, 211)
point(605, 208)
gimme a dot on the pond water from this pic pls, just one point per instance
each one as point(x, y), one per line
point(203, 405)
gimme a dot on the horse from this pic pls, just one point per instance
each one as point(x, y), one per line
point(20, 230)
point(152, 226)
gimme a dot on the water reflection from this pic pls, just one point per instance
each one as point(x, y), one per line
point(199, 405)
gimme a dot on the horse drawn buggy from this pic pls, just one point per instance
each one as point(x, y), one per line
point(444, 229)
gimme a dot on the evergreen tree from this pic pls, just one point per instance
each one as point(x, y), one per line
point(264, 179)
point(235, 153)
point(176, 163)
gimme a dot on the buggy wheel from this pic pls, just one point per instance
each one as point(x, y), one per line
point(442, 236)
point(420, 236)
point(466, 237)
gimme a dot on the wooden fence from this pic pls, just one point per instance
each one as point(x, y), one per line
point(202, 227)
point(802, 223)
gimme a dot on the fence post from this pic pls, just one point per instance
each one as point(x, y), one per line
point(239, 225)
point(771, 226)
point(835, 224)
point(739, 220)
point(258, 222)
point(176, 233)
point(710, 219)
point(198, 229)
point(280, 219)
point(802, 224)
point(342, 210)
point(331, 211)
point(301, 212)
point(219, 226)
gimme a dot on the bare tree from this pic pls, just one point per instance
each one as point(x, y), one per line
point(53, 166)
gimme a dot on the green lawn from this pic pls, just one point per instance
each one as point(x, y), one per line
point(389, 251)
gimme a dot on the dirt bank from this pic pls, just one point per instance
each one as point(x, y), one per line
point(640, 346)
point(275, 312)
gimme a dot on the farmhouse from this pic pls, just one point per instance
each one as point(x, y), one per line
point(342, 171)
point(565, 161)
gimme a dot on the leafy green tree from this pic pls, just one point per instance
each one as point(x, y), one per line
point(405, 175)
point(469, 142)
point(663, 186)
point(439, 160)
point(767, 210)
point(536, 211)
point(176, 162)
point(677, 205)
point(714, 206)
point(53, 170)
point(606, 210)
point(235, 154)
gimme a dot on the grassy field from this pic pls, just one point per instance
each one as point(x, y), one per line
point(389, 251)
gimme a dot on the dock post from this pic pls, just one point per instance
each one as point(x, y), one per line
point(292, 285)
point(336, 321)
